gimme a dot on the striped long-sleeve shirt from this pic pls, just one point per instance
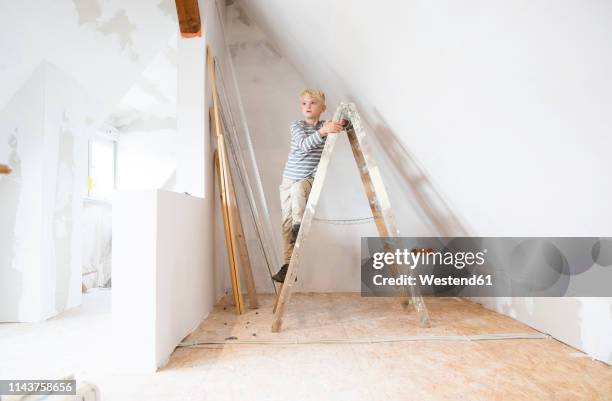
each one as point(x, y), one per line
point(306, 148)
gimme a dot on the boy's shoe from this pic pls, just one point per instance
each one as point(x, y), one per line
point(281, 274)
point(295, 229)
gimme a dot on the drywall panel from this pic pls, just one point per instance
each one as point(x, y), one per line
point(64, 181)
point(192, 115)
point(146, 121)
point(103, 45)
point(45, 137)
point(21, 137)
point(507, 105)
point(269, 87)
point(184, 264)
point(163, 274)
point(134, 279)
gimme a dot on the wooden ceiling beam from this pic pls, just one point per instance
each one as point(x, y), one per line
point(189, 18)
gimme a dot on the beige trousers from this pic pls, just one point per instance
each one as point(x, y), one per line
point(293, 197)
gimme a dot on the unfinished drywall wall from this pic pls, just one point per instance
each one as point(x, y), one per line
point(146, 122)
point(186, 280)
point(491, 98)
point(44, 132)
point(162, 252)
point(269, 88)
point(22, 133)
point(91, 50)
point(134, 259)
point(192, 116)
point(103, 45)
point(506, 105)
point(168, 232)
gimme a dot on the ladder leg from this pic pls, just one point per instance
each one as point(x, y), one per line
point(381, 208)
point(278, 297)
point(379, 204)
point(313, 198)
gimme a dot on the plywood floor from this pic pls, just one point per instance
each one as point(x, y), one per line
point(79, 342)
point(514, 369)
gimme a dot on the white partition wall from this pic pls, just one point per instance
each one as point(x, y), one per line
point(163, 276)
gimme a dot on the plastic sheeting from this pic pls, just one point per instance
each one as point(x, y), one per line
point(263, 250)
point(97, 247)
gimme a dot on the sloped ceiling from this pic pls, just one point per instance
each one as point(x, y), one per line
point(508, 105)
point(150, 103)
point(103, 44)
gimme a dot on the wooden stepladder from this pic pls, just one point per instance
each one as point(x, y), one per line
point(378, 200)
point(234, 234)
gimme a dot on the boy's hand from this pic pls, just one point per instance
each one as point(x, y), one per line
point(330, 127)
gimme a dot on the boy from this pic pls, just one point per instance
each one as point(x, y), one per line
point(307, 142)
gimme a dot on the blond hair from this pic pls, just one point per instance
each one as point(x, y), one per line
point(315, 93)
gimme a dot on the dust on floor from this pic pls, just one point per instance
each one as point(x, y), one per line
point(510, 369)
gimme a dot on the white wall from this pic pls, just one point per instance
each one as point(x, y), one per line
point(57, 82)
point(163, 242)
point(146, 121)
point(22, 136)
point(186, 276)
point(506, 104)
point(146, 159)
point(43, 134)
point(134, 305)
point(500, 100)
point(269, 88)
point(103, 45)
point(163, 279)
point(192, 116)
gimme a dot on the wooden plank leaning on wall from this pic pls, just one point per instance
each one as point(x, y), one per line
point(234, 235)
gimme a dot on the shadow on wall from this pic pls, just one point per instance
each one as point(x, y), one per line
point(577, 316)
point(424, 195)
point(540, 313)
